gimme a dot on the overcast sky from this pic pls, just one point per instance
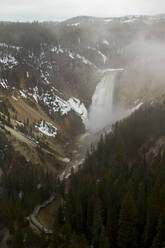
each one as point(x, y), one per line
point(45, 10)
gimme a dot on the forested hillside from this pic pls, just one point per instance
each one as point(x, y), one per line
point(22, 187)
point(117, 199)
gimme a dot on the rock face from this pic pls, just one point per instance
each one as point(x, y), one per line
point(51, 76)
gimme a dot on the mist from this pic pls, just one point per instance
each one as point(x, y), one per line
point(146, 59)
point(149, 53)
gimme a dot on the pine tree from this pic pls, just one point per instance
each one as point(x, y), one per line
point(18, 239)
point(153, 210)
point(127, 234)
point(97, 221)
point(159, 239)
point(103, 240)
point(112, 227)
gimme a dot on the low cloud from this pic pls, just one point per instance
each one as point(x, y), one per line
point(62, 9)
point(149, 53)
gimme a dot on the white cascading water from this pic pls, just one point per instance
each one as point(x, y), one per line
point(101, 109)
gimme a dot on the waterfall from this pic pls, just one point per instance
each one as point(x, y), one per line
point(101, 109)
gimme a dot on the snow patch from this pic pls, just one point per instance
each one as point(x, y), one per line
point(27, 74)
point(106, 42)
point(22, 94)
point(19, 123)
point(45, 77)
point(71, 55)
point(57, 49)
point(3, 83)
point(61, 105)
point(100, 53)
point(47, 128)
point(35, 95)
point(8, 61)
point(129, 20)
point(79, 108)
point(57, 104)
point(112, 70)
point(108, 20)
point(75, 24)
point(4, 45)
point(136, 107)
point(84, 60)
point(14, 98)
point(103, 56)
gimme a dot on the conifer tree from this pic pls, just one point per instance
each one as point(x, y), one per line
point(159, 239)
point(103, 240)
point(127, 234)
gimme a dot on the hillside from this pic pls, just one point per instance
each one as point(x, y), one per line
point(62, 85)
point(49, 71)
point(117, 198)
